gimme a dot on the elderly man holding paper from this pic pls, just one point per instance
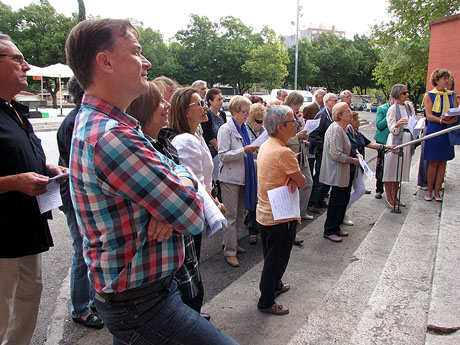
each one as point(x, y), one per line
point(277, 166)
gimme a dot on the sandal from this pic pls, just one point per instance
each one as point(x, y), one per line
point(276, 309)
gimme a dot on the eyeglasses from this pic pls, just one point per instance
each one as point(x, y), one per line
point(200, 103)
point(259, 121)
point(332, 100)
point(18, 58)
point(290, 121)
point(405, 93)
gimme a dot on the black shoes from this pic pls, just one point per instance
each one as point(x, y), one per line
point(92, 321)
point(298, 241)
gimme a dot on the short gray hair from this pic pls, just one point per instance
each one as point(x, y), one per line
point(318, 91)
point(343, 94)
point(276, 115)
point(397, 90)
point(196, 84)
point(4, 37)
point(278, 93)
point(327, 96)
point(294, 98)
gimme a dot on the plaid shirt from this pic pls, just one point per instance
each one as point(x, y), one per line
point(118, 181)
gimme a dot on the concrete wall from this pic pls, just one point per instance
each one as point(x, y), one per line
point(445, 48)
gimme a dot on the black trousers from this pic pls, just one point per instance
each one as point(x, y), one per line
point(277, 241)
point(379, 172)
point(338, 201)
point(319, 190)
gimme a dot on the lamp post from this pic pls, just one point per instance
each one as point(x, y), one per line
point(296, 47)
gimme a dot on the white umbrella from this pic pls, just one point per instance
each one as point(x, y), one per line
point(36, 71)
point(58, 70)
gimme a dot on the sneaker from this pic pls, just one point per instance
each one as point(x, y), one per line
point(307, 216)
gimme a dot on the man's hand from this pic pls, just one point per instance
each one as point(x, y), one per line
point(158, 231)
point(55, 170)
point(30, 183)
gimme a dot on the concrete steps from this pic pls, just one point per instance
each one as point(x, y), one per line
point(401, 281)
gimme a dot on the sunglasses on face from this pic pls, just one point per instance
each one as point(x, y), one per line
point(201, 103)
point(405, 93)
point(259, 121)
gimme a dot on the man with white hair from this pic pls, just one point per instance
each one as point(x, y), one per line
point(345, 96)
point(25, 231)
point(201, 87)
point(317, 140)
point(310, 111)
point(281, 95)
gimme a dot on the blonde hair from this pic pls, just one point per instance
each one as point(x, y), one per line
point(237, 103)
point(257, 112)
point(338, 109)
point(275, 101)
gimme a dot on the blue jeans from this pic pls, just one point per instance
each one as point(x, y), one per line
point(81, 292)
point(159, 318)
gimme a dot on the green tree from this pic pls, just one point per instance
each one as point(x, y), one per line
point(307, 70)
point(235, 43)
point(407, 36)
point(81, 10)
point(8, 19)
point(198, 53)
point(155, 50)
point(267, 63)
point(366, 63)
point(337, 60)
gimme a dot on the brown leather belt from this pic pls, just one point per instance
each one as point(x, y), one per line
point(129, 295)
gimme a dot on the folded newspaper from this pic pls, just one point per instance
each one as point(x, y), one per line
point(215, 220)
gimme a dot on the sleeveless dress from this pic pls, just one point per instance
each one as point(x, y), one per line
point(438, 148)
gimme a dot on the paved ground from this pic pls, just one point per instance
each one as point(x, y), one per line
point(316, 271)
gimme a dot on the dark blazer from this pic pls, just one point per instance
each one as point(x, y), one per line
point(310, 111)
point(317, 136)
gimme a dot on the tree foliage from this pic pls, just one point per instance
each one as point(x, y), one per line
point(405, 41)
point(267, 63)
point(306, 69)
point(81, 10)
point(337, 60)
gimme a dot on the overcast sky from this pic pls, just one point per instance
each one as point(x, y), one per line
point(352, 16)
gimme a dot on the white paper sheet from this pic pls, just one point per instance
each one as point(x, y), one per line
point(284, 204)
point(214, 218)
point(411, 126)
point(261, 139)
point(311, 125)
point(52, 198)
point(452, 112)
point(367, 171)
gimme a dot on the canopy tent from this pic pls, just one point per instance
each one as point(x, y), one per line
point(58, 70)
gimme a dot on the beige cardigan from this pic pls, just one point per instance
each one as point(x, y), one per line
point(337, 147)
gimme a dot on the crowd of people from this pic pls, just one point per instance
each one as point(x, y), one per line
point(137, 152)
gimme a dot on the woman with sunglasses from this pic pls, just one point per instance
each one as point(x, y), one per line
point(237, 174)
point(187, 111)
point(397, 119)
point(255, 128)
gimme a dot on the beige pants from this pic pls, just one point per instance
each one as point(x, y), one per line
point(233, 199)
point(20, 292)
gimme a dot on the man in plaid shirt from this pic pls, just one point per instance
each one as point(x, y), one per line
point(132, 204)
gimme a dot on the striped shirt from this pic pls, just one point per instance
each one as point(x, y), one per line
point(118, 182)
